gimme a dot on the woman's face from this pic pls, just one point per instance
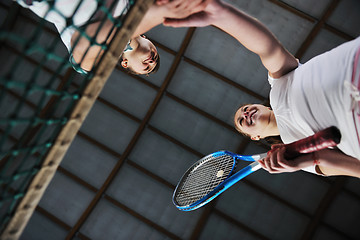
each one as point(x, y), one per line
point(253, 120)
point(143, 58)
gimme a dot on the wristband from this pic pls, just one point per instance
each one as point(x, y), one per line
point(315, 158)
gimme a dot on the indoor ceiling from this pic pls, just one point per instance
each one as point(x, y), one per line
point(117, 179)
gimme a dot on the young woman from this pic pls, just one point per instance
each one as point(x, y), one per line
point(69, 16)
point(304, 98)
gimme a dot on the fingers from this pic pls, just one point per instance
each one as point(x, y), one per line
point(198, 6)
point(184, 8)
point(276, 163)
point(270, 161)
point(201, 6)
point(275, 146)
point(267, 165)
point(281, 162)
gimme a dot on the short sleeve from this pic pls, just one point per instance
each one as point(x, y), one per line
point(271, 80)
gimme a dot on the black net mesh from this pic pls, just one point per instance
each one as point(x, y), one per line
point(38, 84)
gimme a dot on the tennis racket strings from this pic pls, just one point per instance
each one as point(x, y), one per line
point(203, 178)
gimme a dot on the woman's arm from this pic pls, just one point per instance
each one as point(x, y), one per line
point(334, 162)
point(251, 33)
point(329, 162)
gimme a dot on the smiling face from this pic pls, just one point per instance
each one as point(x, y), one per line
point(255, 120)
point(143, 58)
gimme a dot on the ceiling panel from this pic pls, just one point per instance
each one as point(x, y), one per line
point(265, 215)
point(346, 208)
point(286, 186)
point(208, 93)
point(109, 127)
point(218, 228)
point(161, 156)
point(97, 166)
point(346, 17)
point(71, 196)
point(151, 201)
point(323, 42)
point(41, 228)
point(193, 129)
point(170, 37)
point(222, 54)
point(131, 96)
point(106, 215)
point(290, 28)
point(313, 8)
point(326, 233)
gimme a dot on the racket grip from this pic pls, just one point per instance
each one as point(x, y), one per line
point(328, 137)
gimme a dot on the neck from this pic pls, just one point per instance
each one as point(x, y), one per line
point(272, 129)
point(134, 42)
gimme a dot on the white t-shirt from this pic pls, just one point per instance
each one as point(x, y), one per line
point(315, 96)
point(66, 8)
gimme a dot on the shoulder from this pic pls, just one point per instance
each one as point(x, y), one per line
point(273, 78)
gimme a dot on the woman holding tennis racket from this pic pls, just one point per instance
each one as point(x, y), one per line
point(139, 57)
point(305, 98)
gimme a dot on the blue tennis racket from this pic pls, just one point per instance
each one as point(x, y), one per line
point(215, 173)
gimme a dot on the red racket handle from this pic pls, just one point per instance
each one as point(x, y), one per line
point(328, 137)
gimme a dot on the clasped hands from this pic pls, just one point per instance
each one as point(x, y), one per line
point(182, 13)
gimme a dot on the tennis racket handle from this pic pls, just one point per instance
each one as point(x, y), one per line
point(328, 137)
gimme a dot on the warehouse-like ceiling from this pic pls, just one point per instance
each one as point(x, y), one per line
point(117, 179)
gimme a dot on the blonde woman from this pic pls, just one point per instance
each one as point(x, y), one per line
point(139, 57)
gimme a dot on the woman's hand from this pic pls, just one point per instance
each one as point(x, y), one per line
point(164, 9)
point(203, 15)
point(275, 161)
point(178, 9)
point(330, 162)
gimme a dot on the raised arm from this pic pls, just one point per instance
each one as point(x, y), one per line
point(251, 33)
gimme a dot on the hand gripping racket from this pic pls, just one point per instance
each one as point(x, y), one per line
point(215, 173)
